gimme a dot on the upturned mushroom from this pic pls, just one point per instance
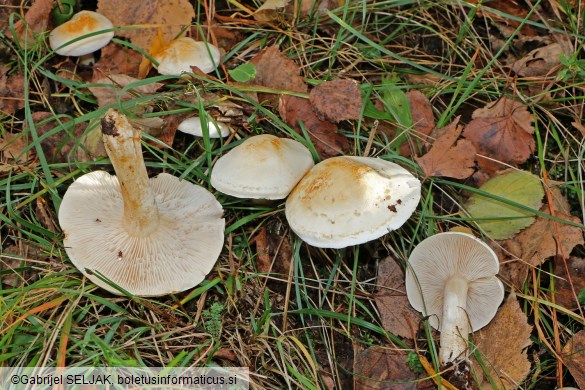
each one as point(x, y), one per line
point(83, 23)
point(262, 167)
point(185, 52)
point(451, 278)
point(148, 236)
point(346, 200)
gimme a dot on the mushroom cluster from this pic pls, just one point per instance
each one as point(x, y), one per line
point(148, 236)
point(451, 278)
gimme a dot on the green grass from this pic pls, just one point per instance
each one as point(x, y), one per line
point(292, 329)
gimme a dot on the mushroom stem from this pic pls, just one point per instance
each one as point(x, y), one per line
point(122, 142)
point(455, 325)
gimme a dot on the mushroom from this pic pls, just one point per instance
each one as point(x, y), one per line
point(148, 236)
point(185, 52)
point(451, 277)
point(346, 200)
point(83, 23)
point(193, 126)
point(262, 167)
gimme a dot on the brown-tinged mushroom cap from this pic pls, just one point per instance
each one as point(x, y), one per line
point(185, 52)
point(149, 236)
point(262, 167)
point(82, 23)
point(345, 201)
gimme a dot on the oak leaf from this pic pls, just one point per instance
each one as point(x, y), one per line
point(502, 346)
point(392, 302)
point(448, 157)
point(501, 132)
point(337, 100)
point(170, 15)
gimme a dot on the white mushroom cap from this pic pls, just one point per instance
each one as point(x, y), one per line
point(262, 167)
point(183, 53)
point(149, 236)
point(441, 257)
point(347, 201)
point(193, 126)
point(82, 23)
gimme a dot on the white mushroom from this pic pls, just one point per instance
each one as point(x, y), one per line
point(451, 277)
point(345, 201)
point(262, 167)
point(82, 23)
point(193, 126)
point(149, 236)
point(185, 52)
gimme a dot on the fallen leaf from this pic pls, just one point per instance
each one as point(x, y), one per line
point(11, 91)
point(274, 70)
point(117, 59)
point(111, 92)
point(170, 15)
point(574, 357)
point(56, 143)
point(36, 20)
point(447, 158)
point(502, 346)
point(501, 220)
point(328, 142)
point(539, 242)
point(337, 100)
point(391, 300)
point(563, 292)
point(501, 132)
point(270, 10)
point(540, 62)
point(12, 149)
point(378, 368)
point(423, 122)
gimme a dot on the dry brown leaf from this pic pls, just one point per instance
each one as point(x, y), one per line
point(56, 146)
point(502, 132)
point(274, 258)
point(392, 302)
point(447, 158)
point(112, 93)
point(337, 100)
point(538, 242)
point(328, 142)
point(502, 345)
point(37, 20)
point(574, 357)
point(117, 59)
point(171, 15)
point(11, 91)
point(541, 61)
point(563, 292)
point(378, 368)
point(275, 70)
point(423, 122)
point(12, 149)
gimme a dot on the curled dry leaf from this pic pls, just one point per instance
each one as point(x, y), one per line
point(502, 346)
point(502, 132)
point(378, 368)
point(541, 61)
point(447, 158)
point(328, 142)
point(171, 16)
point(574, 357)
point(540, 241)
point(392, 302)
point(275, 70)
point(337, 100)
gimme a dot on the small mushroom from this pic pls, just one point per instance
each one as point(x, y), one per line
point(451, 277)
point(185, 52)
point(82, 23)
point(262, 167)
point(193, 126)
point(149, 236)
point(346, 200)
